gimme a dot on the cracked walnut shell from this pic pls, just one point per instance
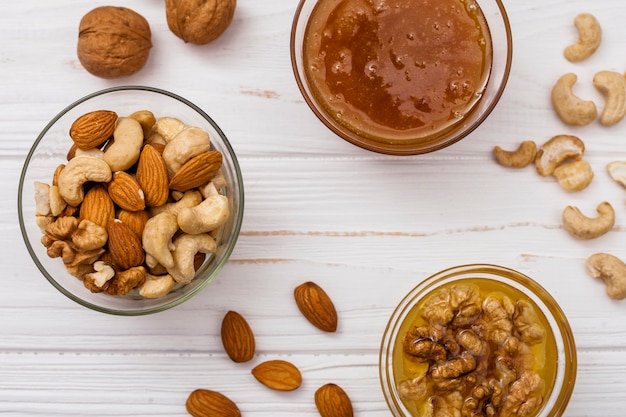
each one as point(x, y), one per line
point(199, 21)
point(113, 42)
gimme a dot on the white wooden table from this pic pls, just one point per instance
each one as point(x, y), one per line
point(366, 227)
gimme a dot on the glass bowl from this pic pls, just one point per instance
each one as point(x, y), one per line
point(553, 352)
point(50, 149)
point(360, 93)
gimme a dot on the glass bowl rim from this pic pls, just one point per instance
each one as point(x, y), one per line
point(379, 146)
point(565, 334)
point(236, 228)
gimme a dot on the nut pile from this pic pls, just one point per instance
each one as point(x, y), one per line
point(562, 155)
point(138, 205)
point(239, 343)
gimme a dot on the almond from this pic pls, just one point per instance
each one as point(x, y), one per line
point(237, 337)
point(316, 306)
point(124, 245)
point(332, 401)
point(97, 206)
point(93, 129)
point(136, 220)
point(197, 171)
point(207, 403)
point(152, 176)
point(278, 375)
point(125, 191)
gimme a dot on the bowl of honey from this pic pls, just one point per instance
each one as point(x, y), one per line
point(481, 340)
point(401, 77)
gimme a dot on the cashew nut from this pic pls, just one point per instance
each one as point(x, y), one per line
point(57, 203)
point(156, 286)
point(556, 150)
point(570, 108)
point(169, 127)
point(613, 85)
point(146, 119)
point(157, 238)
point(617, 171)
point(186, 247)
point(611, 270)
point(206, 216)
point(188, 143)
point(574, 176)
point(78, 171)
point(125, 147)
point(589, 37)
point(582, 227)
point(523, 156)
point(42, 198)
point(189, 199)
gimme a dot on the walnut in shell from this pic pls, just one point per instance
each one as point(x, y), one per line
point(199, 21)
point(113, 42)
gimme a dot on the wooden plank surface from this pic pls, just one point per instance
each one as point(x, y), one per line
point(366, 227)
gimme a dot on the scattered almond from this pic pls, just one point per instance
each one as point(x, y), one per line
point(207, 403)
point(237, 337)
point(136, 220)
point(125, 191)
point(152, 176)
point(197, 171)
point(316, 306)
point(278, 375)
point(332, 401)
point(124, 245)
point(93, 129)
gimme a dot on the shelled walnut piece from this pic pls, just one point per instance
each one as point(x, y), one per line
point(96, 218)
point(477, 354)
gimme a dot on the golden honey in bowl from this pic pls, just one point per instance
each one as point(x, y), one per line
point(475, 346)
point(397, 70)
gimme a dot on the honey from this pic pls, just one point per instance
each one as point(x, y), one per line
point(397, 69)
point(539, 357)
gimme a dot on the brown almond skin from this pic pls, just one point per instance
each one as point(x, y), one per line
point(126, 192)
point(136, 220)
point(237, 337)
point(278, 375)
point(152, 176)
point(208, 403)
point(197, 171)
point(124, 245)
point(97, 206)
point(92, 129)
point(316, 306)
point(332, 401)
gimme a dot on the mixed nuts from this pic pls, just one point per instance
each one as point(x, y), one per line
point(131, 210)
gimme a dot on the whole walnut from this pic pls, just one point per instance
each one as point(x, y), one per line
point(113, 41)
point(199, 21)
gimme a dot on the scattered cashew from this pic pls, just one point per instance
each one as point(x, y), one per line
point(523, 156)
point(93, 152)
point(617, 171)
point(169, 127)
point(188, 143)
point(574, 176)
point(57, 203)
point(589, 37)
point(582, 227)
point(186, 247)
point(125, 147)
point(556, 150)
point(78, 171)
point(613, 86)
point(206, 216)
point(156, 286)
point(42, 198)
point(157, 238)
point(570, 108)
point(611, 270)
